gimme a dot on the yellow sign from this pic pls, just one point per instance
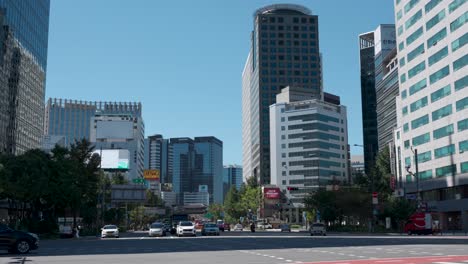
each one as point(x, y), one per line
point(151, 174)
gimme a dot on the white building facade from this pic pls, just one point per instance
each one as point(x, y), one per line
point(309, 144)
point(432, 106)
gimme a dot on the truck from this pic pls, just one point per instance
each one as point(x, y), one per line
point(422, 223)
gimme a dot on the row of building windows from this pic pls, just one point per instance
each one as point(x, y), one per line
point(288, 28)
point(288, 43)
point(295, 20)
point(445, 131)
point(445, 171)
point(288, 35)
point(438, 114)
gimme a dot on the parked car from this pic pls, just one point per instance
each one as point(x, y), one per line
point(167, 228)
point(285, 228)
point(110, 231)
point(264, 226)
point(238, 227)
point(156, 229)
point(223, 226)
point(17, 241)
point(210, 229)
point(186, 228)
point(318, 229)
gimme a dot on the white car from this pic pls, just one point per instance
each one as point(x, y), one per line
point(109, 231)
point(318, 229)
point(156, 229)
point(264, 226)
point(238, 227)
point(185, 228)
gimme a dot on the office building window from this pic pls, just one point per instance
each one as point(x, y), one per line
point(418, 86)
point(461, 83)
point(400, 30)
point(404, 94)
point(418, 104)
point(432, 41)
point(455, 4)
point(436, 19)
point(425, 175)
point(444, 151)
point(441, 93)
point(464, 167)
point(407, 144)
point(438, 56)
point(460, 63)
point(446, 171)
point(424, 157)
point(404, 111)
point(399, 15)
point(460, 42)
point(401, 46)
point(405, 127)
point(462, 125)
point(408, 161)
point(440, 74)
point(443, 132)
point(462, 104)
point(403, 78)
point(414, 36)
point(442, 112)
point(429, 6)
point(460, 21)
point(415, 18)
point(422, 139)
point(416, 69)
point(418, 122)
point(402, 62)
point(463, 146)
point(416, 52)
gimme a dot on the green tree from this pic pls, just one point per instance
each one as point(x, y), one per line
point(216, 211)
point(232, 205)
point(252, 182)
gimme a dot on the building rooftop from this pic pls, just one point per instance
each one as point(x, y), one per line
point(283, 9)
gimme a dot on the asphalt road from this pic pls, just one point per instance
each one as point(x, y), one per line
point(258, 248)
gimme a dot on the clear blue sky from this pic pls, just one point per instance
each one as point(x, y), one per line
point(183, 59)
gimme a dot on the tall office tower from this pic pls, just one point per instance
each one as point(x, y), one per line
point(433, 105)
point(232, 174)
point(284, 51)
point(156, 153)
point(72, 118)
point(24, 29)
point(374, 46)
point(196, 166)
point(309, 143)
point(115, 134)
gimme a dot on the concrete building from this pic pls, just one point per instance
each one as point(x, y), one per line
point(284, 51)
point(197, 198)
point(49, 142)
point(120, 132)
point(433, 106)
point(23, 66)
point(196, 166)
point(309, 143)
point(72, 118)
point(374, 47)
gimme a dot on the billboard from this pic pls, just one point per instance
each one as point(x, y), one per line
point(114, 158)
point(151, 175)
point(271, 193)
point(202, 188)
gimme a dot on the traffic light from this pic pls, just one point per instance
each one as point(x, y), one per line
point(292, 188)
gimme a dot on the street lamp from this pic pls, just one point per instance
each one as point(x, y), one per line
point(416, 175)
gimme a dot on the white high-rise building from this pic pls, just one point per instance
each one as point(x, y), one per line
point(432, 106)
point(309, 143)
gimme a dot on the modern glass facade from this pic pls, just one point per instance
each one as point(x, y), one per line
point(156, 153)
point(284, 52)
point(232, 176)
point(377, 85)
point(24, 27)
point(196, 166)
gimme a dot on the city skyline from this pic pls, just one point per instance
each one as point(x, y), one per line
point(142, 67)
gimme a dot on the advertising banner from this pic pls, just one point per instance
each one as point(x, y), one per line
point(151, 175)
point(271, 193)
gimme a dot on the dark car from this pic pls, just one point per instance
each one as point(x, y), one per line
point(17, 241)
point(285, 228)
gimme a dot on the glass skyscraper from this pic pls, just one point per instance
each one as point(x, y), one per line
point(24, 27)
point(197, 166)
point(284, 52)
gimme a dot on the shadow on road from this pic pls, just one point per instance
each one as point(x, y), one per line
point(240, 242)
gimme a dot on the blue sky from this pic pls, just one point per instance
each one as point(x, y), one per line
point(183, 59)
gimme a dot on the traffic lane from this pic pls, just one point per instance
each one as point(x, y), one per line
point(414, 260)
point(214, 243)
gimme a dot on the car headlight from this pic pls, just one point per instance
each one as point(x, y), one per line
point(34, 235)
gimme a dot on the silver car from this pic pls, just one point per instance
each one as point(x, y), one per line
point(156, 229)
point(210, 229)
point(318, 229)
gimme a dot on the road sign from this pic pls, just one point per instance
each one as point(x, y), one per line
point(375, 199)
point(151, 174)
point(138, 180)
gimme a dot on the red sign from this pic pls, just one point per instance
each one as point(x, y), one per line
point(374, 195)
point(271, 193)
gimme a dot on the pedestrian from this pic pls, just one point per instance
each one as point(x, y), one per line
point(77, 232)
